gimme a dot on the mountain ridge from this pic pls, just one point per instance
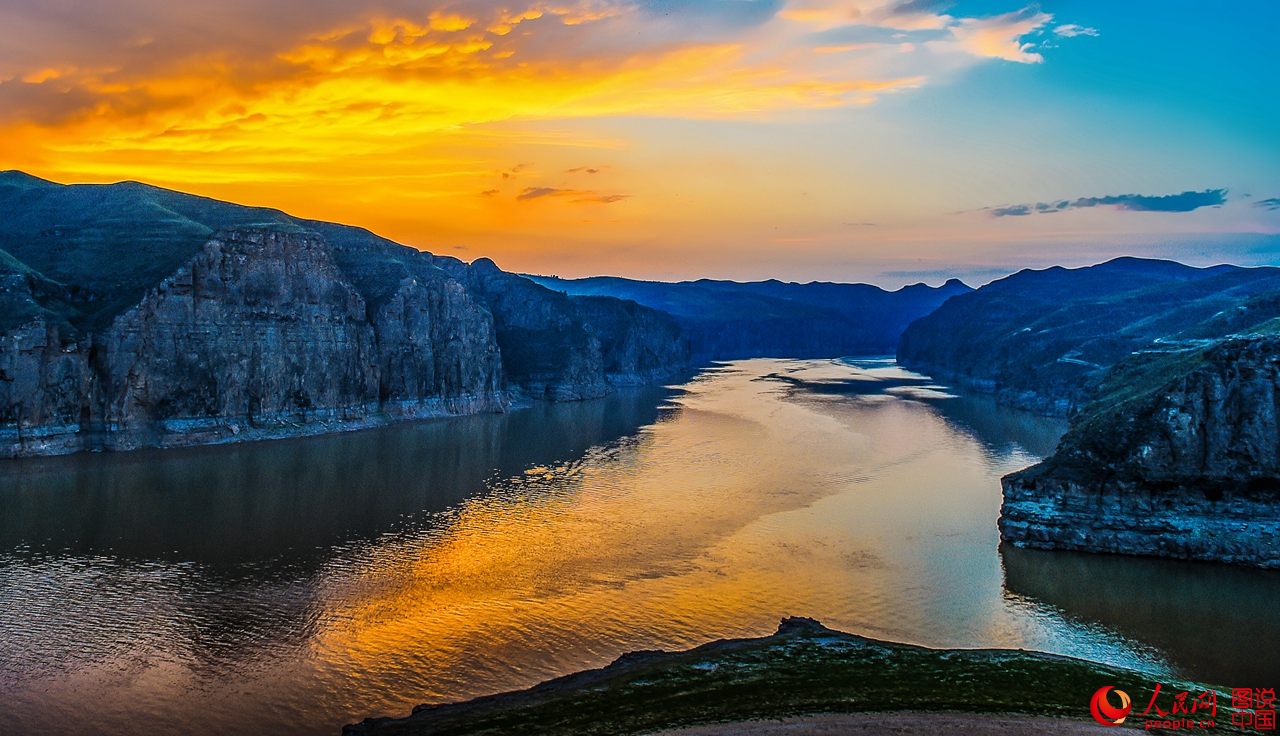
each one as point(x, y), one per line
point(1043, 339)
point(139, 316)
point(734, 319)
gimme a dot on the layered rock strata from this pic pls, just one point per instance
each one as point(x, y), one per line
point(258, 335)
point(1179, 456)
point(263, 333)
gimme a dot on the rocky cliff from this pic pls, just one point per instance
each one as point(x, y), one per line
point(555, 346)
point(551, 346)
point(1178, 456)
point(259, 334)
point(1042, 340)
point(193, 335)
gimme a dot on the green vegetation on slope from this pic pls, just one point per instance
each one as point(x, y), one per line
point(1197, 414)
point(113, 241)
point(77, 256)
point(804, 668)
point(1046, 338)
point(26, 294)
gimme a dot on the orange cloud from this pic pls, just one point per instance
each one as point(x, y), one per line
point(577, 196)
point(1001, 37)
point(448, 22)
point(396, 120)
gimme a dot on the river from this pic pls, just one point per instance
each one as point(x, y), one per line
point(294, 586)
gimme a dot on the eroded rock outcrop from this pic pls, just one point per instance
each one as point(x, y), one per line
point(1178, 456)
point(43, 380)
point(556, 346)
point(136, 316)
point(258, 335)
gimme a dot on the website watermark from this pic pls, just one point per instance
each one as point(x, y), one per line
point(1186, 710)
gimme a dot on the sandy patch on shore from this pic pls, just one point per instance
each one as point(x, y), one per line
point(897, 724)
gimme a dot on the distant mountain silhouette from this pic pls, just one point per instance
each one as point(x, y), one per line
point(1044, 338)
point(730, 319)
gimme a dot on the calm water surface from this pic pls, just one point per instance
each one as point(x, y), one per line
point(291, 587)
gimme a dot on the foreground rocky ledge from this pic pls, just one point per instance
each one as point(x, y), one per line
point(803, 669)
point(1178, 456)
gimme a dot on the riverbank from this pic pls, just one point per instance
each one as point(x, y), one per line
point(1177, 455)
point(902, 723)
point(802, 670)
point(292, 587)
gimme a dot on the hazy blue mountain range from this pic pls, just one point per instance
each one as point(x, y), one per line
point(1045, 338)
point(729, 319)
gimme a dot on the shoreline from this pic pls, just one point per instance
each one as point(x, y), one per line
point(188, 433)
point(804, 674)
point(898, 723)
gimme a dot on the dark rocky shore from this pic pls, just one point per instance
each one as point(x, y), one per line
point(802, 670)
point(1178, 456)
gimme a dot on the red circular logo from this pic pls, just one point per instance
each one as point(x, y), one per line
point(1104, 712)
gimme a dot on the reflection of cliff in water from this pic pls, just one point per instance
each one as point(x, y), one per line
point(289, 499)
point(1001, 429)
point(1216, 623)
point(231, 547)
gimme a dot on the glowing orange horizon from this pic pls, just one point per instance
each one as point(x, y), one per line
point(581, 137)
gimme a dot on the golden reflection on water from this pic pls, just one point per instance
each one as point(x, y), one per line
point(467, 557)
point(742, 506)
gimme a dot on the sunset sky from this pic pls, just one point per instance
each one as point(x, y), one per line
point(802, 139)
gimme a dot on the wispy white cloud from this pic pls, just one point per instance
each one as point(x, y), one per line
point(1071, 30)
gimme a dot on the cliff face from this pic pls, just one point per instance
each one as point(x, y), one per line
point(258, 335)
point(1043, 340)
point(556, 346)
point(636, 344)
point(1179, 456)
point(42, 382)
point(136, 316)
